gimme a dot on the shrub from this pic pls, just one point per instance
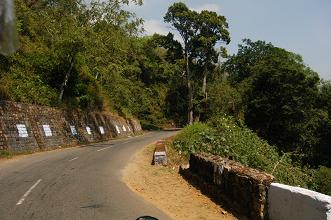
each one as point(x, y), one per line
point(192, 139)
point(323, 180)
point(224, 137)
point(148, 126)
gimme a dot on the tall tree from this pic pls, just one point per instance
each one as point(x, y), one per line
point(185, 21)
point(200, 32)
point(212, 29)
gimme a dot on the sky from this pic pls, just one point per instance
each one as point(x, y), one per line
point(300, 26)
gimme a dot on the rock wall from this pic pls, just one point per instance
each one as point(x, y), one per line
point(226, 181)
point(26, 127)
point(289, 202)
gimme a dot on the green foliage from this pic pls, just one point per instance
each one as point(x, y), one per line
point(92, 58)
point(200, 32)
point(191, 139)
point(282, 99)
point(224, 137)
point(6, 154)
point(147, 126)
point(323, 180)
point(28, 88)
point(223, 99)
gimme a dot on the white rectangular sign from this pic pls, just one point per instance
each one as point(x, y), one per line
point(22, 132)
point(102, 131)
point(118, 129)
point(73, 130)
point(88, 129)
point(47, 130)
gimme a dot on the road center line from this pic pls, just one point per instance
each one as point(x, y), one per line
point(74, 159)
point(28, 192)
point(103, 149)
point(126, 142)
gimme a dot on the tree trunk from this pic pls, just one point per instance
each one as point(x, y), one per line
point(190, 90)
point(190, 104)
point(66, 78)
point(204, 91)
point(204, 84)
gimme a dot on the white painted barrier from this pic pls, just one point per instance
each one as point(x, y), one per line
point(295, 203)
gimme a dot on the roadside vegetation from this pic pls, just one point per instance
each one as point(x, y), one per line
point(263, 105)
point(226, 138)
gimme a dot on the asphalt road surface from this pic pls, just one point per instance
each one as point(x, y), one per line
point(74, 183)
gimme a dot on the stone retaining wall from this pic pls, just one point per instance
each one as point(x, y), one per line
point(26, 127)
point(226, 181)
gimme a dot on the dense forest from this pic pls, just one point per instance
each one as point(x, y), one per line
point(94, 56)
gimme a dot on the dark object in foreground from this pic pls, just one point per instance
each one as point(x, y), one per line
point(8, 32)
point(146, 218)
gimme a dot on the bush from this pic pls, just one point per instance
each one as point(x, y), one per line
point(6, 154)
point(27, 87)
point(323, 180)
point(224, 137)
point(192, 139)
point(148, 126)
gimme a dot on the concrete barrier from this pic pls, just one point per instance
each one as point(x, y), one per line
point(160, 154)
point(291, 203)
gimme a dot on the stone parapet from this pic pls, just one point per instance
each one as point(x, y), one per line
point(226, 181)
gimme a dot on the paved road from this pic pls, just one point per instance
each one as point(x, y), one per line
point(74, 183)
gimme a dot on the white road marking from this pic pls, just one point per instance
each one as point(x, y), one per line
point(28, 192)
point(103, 149)
point(126, 142)
point(74, 159)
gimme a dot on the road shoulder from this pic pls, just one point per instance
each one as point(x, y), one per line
point(167, 190)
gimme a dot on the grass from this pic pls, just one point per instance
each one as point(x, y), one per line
point(6, 154)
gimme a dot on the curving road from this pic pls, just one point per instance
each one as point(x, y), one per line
point(74, 183)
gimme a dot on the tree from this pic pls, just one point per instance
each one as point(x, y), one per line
point(322, 152)
point(200, 32)
point(212, 28)
point(249, 54)
point(280, 95)
point(185, 21)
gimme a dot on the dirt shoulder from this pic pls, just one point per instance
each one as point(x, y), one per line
point(167, 190)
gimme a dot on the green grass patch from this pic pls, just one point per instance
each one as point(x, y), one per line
point(6, 154)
